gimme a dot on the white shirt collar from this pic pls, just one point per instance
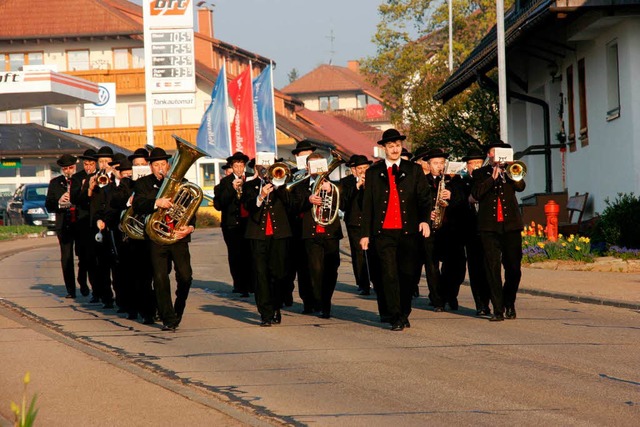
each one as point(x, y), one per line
point(390, 163)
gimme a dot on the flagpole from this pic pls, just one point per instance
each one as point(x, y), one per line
point(273, 103)
point(502, 75)
point(255, 146)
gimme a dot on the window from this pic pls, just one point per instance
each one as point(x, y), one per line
point(582, 93)
point(363, 100)
point(16, 60)
point(613, 82)
point(128, 58)
point(328, 103)
point(77, 60)
point(136, 115)
point(170, 116)
point(3, 118)
point(571, 109)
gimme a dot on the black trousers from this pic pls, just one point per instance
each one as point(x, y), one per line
point(323, 255)
point(477, 275)
point(398, 265)
point(358, 262)
point(86, 255)
point(161, 255)
point(450, 245)
point(432, 271)
point(300, 266)
point(66, 241)
point(102, 265)
point(142, 276)
point(237, 250)
point(271, 271)
point(502, 247)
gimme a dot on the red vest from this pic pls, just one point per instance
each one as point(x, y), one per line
point(392, 219)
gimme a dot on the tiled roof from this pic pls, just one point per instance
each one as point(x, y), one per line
point(32, 19)
point(331, 78)
point(34, 140)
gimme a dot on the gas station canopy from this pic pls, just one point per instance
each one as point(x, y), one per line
point(27, 89)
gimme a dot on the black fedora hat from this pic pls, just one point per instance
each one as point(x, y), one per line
point(66, 160)
point(391, 135)
point(225, 166)
point(358, 160)
point(420, 153)
point(496, 145)
point(158, 154)
point(238, 157)
point(89, 154)
point(139, 153)
point(124, 165)
point(406, 153)
point(303, 145)
point(117, 158)
point(252, 163)
point(105, 152)
point(435, 152)
point(474, 154)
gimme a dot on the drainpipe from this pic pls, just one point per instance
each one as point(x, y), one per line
point(486, 83)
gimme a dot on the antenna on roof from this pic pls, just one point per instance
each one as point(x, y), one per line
point(332, 38)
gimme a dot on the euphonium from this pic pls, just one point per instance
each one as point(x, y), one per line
point(327, 212)
point(185, 197)
point(132, 225)
point(516, 170)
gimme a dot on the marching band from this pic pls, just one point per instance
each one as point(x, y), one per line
point(129, 231)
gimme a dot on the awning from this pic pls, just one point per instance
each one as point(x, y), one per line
point(28, 89)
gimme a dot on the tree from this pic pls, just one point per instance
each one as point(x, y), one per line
point(412, 63)
point(293, 75)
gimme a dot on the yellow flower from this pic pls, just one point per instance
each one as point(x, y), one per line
point(541, 244)
point(587, 240)
point(564, 243)
point(560, 236)
point(577, 248)
point(27, 378)
point(570, 239)
point(523, 233)
point(15, 408)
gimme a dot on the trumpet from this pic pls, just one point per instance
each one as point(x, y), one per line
point(102, 178)
point(516, 171)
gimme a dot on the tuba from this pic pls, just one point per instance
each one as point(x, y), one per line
point(516, 171)
point(327, 212)
point(185, 197)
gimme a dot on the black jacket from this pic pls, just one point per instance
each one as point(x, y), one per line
point(487, 191)
point(351, 201)
point(278, 206)
point(227, 202)
point(300, 194)
point(414, 194)
point(57, 187)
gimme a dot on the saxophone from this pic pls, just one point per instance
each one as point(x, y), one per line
point(186, 197)
point(441, 205)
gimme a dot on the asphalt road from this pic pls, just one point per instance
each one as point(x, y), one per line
point(559, 363)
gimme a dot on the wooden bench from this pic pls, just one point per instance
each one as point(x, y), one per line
point(575, 209)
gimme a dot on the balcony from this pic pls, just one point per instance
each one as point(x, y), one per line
point(128, 82)
point(363, 115)
point(132, 138)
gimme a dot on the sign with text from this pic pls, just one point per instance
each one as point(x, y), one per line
point(10, 163)
point(168, 13)
point(173, 66)
point(106, 105)
point(173, 100)
point(503, 155)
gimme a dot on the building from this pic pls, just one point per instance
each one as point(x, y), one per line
point(574, 101)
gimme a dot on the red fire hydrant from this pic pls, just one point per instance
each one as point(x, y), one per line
point(551, 210)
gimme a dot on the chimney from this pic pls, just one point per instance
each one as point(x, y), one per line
point(205, 21)
point(354, 66)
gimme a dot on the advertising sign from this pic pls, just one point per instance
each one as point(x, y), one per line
point(106, 105)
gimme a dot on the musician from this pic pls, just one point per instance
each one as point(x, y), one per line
point(499, 227)
point(227, 169)
point(82, 237)
point(142, 275)
point(145, 203)
point(395, 212)
point(445, 261)
point(59, 201)
point(321, 242)
point(298, 254)
point(227, 196)
point(269, 234)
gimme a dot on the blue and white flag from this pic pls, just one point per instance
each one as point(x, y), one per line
point(214, 135)
point(264, 111)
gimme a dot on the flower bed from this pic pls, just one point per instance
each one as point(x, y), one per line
point(536, 247)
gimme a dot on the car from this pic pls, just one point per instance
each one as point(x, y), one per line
point(26, 207)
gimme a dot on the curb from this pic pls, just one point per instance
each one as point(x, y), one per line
point(582, 299)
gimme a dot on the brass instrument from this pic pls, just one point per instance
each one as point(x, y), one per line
point(132, 225)
point(516, 171)
point(102, 178)
point(185, 197)
point(441, 205)
point(327, 212)
point(278, 173)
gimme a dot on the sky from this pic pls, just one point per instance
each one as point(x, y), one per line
point(297, 33)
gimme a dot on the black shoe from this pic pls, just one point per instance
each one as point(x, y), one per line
point(244, 295)
point(496, 318)
point(407, 324)
point(453, 305)
point(84, 290)
point(483, 312)
point(94, 300)
point(397, 325)
point(277, 318)
point(148, 321)
point(438, 309)
point(510, 313)
point(132, 316)
point(70, 296)
point(324, 315)
point(170, 327)
point(108, 305)
point(307, 310)
point(265, 323)
point(121, 310)
point(365, 292)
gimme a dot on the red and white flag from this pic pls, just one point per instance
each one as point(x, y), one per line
point(242, 127)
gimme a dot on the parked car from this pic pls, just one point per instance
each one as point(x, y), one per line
point(26, 207)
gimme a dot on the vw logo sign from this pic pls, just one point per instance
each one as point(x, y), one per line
point(103, 96)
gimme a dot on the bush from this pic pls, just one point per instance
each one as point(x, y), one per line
point(207, 217)
point(9, 232)
point(619, 223)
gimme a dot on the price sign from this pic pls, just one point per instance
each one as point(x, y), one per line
point(172, 61)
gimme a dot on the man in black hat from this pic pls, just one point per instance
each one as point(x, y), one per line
point(59, 201)
point(499, 226)
point(145, 202)
point(445, 262)
point(84, 245)
point(395, 215)
point(227, 196)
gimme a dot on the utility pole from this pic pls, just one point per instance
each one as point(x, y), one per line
point(332, 38)
point(502, 74)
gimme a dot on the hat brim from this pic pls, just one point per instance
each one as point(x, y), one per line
point(65, 164)
point(98, 156)
point(355, 165)
point(88, 158)
point(297, 150)
point(478, 157)
point(243, 158)
point(383, 141)
point(158, 158)
point(435, 156)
